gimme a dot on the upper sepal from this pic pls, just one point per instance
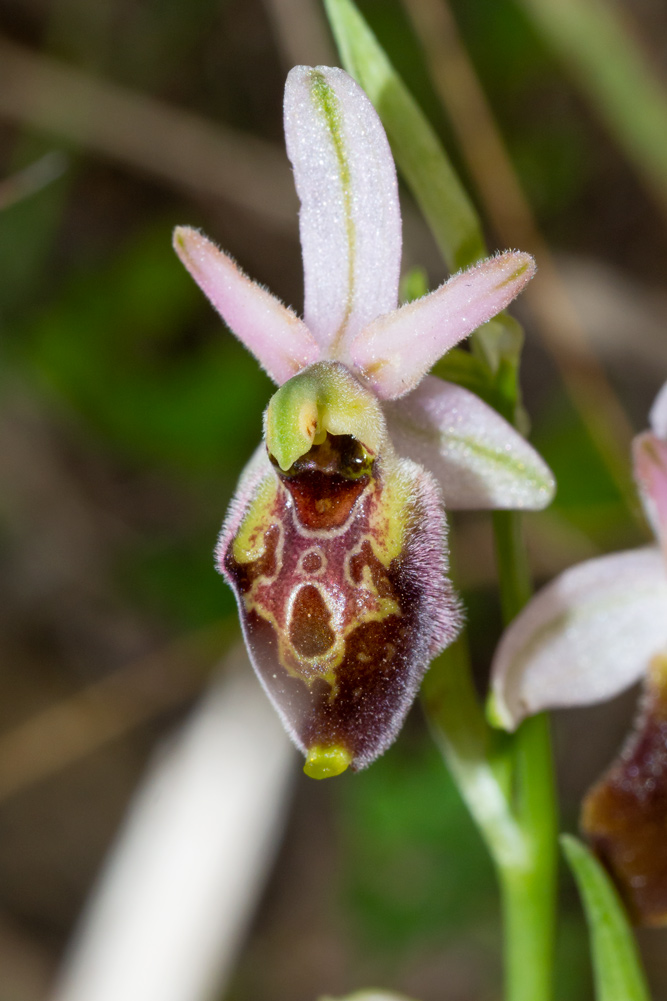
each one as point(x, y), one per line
point(583, 638)
point(350, 220)
point(279, 340)
point(478, 459)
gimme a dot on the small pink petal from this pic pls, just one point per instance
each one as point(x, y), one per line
point(584, 638)
point(350, 219)
point(397, 350)
point(658, 415)
point(650, 455)
point(479, 460)
point(279, 340)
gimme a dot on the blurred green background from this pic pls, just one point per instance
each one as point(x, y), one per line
point(127, 412)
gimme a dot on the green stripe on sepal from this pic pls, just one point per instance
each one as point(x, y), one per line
point(325, 100)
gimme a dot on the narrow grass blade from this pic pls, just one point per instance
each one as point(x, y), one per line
point(616, 965)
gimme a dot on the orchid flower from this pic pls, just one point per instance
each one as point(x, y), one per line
point(335, 544)
point(594, 631)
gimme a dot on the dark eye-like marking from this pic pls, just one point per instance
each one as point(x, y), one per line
point(310, 630)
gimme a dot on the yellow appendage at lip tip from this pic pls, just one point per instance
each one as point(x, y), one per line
point(325, 762)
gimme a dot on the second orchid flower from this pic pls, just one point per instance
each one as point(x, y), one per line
point(594, 631)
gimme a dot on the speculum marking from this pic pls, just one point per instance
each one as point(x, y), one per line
point(310, 630)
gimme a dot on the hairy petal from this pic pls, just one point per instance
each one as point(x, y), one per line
point(397, 350)
point(350, 218)
point(279, 340)
point(584, 638)
point(479, 460)
point(658, 415)
point(624, 813)
point(650, 455)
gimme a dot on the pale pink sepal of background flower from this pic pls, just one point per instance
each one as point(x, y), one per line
point(658, 414)
point(593, 630)
point(351, 236)
point(583, 638)
point(650, 455)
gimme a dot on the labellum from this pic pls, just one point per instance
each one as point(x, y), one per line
point(336, 553)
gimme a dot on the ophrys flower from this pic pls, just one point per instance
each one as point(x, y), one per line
point(592, 632)
point(335, 543)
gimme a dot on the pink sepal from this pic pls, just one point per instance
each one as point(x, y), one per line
point(279, 340)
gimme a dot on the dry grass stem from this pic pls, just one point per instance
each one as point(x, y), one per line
point(177, 147)
point(105, 710)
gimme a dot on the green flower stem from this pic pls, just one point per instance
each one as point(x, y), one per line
point(462, 734)
point(529, 891)
point(513, 572)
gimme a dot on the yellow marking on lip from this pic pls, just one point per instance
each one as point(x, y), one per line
point(390, 515)
point(248, 543)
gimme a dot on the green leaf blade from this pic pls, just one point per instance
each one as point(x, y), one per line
point(616, 964)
